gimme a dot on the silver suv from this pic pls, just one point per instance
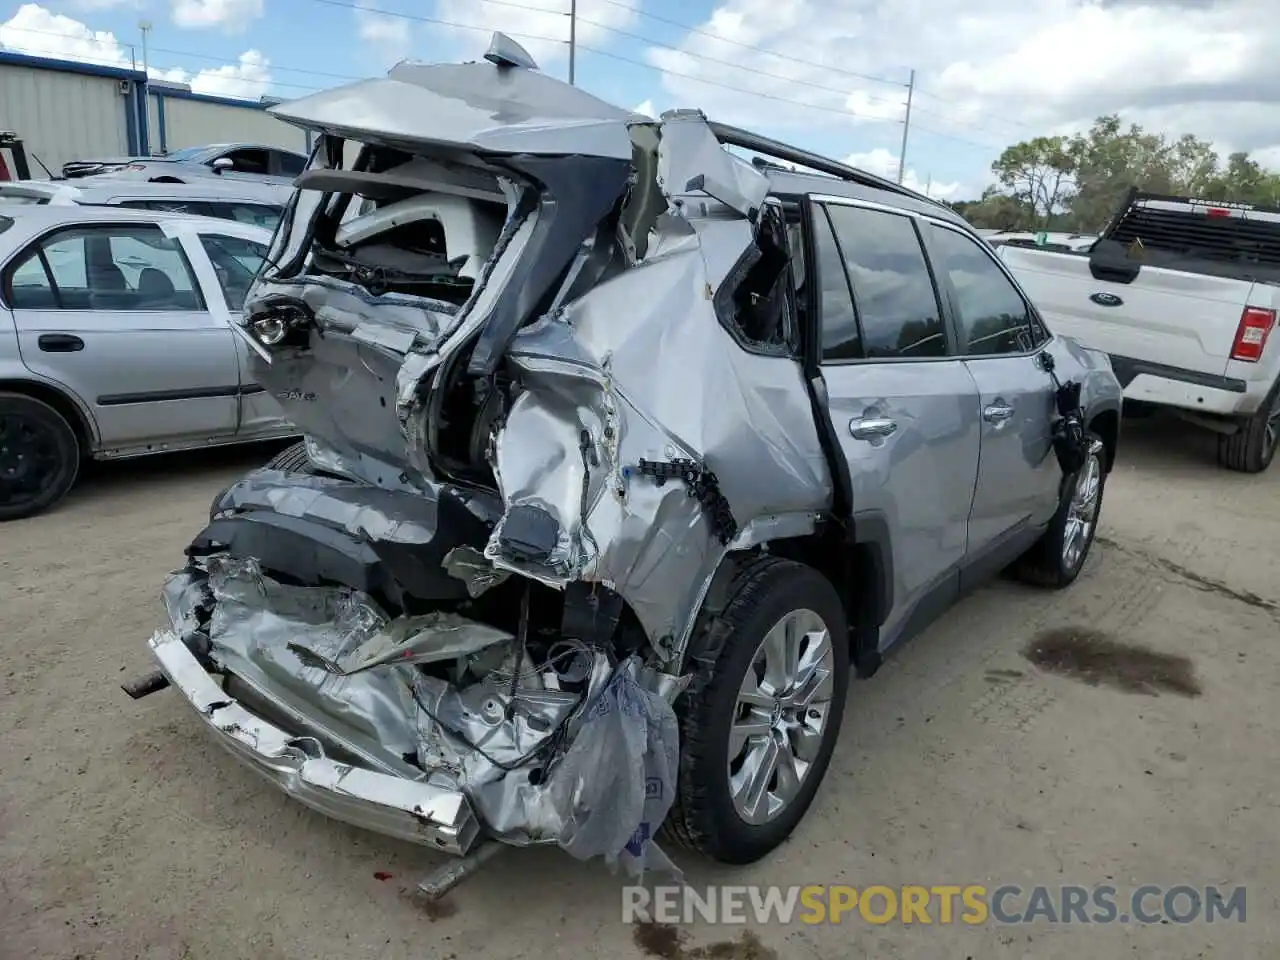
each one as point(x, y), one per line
point(623, 454)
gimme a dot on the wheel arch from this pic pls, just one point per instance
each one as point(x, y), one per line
point(61, 400)
point(1106, 424)
point(857, 558)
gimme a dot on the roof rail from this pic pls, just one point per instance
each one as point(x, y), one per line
point(737, 137)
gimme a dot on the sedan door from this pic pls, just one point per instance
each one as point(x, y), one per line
point(113, 311)
point(1001, 339)
point(904, 408)
point(227, 260)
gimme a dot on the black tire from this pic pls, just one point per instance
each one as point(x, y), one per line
point(1045, 564)
point(292, 459)
point(723, 647)
point(1252, 448)
point(39, 456)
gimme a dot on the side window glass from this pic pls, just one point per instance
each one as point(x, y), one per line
point(249, 160)
point(154, 270)
point(291, 164)
point(260, 215)
point(236, 262)
point(993, 315)
point(841, 339)
point(29, 285)
point(892, 288)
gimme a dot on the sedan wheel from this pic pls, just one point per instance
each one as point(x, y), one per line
point(39, 456)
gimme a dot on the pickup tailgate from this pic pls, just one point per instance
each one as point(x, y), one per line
point(1169, 317)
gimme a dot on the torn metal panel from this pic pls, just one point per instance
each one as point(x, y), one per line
point(616, 365)
point(692, 161)
point(471, 728)
point(475, 106)
point(416, 811)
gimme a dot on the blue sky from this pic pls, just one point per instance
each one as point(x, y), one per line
point(828, 75)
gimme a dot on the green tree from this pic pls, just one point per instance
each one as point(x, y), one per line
point(1110, 160)
point(1039, 174)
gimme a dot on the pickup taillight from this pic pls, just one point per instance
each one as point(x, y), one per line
point(1251, 335)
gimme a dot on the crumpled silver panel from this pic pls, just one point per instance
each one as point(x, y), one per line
point(476, 106)
point(325, 659)
point(644, 366)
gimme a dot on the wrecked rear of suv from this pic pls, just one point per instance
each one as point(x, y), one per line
point(537, 347)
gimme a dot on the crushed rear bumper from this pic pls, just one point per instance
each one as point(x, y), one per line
point(410, 810)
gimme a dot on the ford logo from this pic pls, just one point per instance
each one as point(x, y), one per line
point(1106, 299)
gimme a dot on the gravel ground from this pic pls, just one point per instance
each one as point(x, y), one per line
point(125, 833)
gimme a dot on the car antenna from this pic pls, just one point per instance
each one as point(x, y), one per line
point(42, 164)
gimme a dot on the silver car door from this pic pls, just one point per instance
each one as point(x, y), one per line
point(113, 311)
point(904, 408)
point(1001, 339)
point(227, 260)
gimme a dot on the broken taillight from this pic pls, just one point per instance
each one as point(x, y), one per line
point(1251, 335)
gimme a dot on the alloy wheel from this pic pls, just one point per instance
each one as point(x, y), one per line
point(1082, 512)
point(780, 720)
point(28, 458)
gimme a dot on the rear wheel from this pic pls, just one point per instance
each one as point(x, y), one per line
point(292, 459)
point(761, 717)
point(39, 456)
point(1252, 448)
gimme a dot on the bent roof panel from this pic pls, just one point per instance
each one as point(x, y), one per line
point(476, 106)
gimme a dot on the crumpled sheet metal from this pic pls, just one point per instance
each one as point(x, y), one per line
point(476, 106)
point(369, 513)
point(691, 161)
point(643, 364)
point(603, 791)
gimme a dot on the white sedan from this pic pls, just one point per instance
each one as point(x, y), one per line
point(115, 341)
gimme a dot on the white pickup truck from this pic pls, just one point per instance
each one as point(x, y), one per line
point(1183, 295)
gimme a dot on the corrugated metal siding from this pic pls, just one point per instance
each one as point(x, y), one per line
point(154, 127)
point(63, 116)
point(191, 123)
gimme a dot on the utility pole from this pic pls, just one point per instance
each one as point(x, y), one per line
point(906, 128)
point(928, 185)
point(145, 27)
point(573, 37)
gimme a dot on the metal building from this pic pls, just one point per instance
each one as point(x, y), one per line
point(65, 110)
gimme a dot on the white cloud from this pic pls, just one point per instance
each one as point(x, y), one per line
point(987, 74)
point(645, 107)
point(104, 4)
point(885, 164)
point(230, 16)
point(390, 36)
point(544, 32)
point(35, 30)
point(39, 32)
point(247, 80)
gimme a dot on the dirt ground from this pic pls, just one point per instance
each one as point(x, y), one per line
point(125, 833)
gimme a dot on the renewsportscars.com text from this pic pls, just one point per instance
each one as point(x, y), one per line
point(941, 904)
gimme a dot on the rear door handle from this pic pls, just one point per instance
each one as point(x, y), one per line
point(59, 343)
point(997, 412)
point(872, 428)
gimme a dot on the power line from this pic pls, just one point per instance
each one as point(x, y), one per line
point(745, 46)
point(418, 18)
point(724, 63)
point(729, 86)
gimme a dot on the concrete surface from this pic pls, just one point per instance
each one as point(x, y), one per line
point(124, 833)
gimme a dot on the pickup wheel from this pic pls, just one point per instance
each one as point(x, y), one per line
point(1058, 556)
point(292, 459)
point(39, 456)
point(1252, 448)
point(760, 719)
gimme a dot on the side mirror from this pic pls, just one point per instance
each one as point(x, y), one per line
point(223, 164)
